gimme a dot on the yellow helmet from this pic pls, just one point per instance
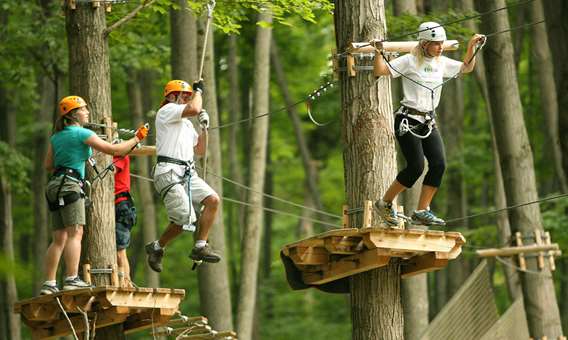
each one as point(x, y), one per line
point(69, 103)
point(177, 86)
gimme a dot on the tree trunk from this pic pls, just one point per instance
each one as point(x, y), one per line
point(89, 77)
point(557, 26)
point(564, 292)
point(517, 162)
point(268, 295)
point(183, 42)
point(48, 107)
point(237, 217)
point(370, 165)
point(145, 190)
point(504, 229)
point(8, 283)
point(404, 7)
point(547, 89)
point(214, 287)
point(253, 227)
point(309, 171)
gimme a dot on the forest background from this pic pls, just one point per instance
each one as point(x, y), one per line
point(34, 75)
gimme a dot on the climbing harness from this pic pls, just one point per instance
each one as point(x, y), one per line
point(406, 127)
point(63, 199)
point(185, 179)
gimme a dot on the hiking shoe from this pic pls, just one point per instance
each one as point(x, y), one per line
point(426, 217)
point(155, 254)
point(387, 213)
point(75, 283)
point(48, 289)
point(204, 254)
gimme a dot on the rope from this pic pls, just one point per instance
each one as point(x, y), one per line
point(86, 319)
point(550, 198)
point(528, 271)
point(275, 211)
point(67, 317)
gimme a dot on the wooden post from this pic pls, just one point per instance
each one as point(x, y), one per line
point(114, 276)
point(551, 262)
point(345, 218)
point(538, 240)
point(87, 273)
point(350, 61)
point(401, 222)
point(511, 251)
point(367, 214)
point(522, 262)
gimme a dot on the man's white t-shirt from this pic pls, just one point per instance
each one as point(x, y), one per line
point(430, 73)
point(175, 136)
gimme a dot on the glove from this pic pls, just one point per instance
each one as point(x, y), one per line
point(198, 86)
point(204, 119)
point(142, 132)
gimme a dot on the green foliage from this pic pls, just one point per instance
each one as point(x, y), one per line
point(14, 166)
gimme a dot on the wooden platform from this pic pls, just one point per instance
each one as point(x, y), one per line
point(136, 308)
point(344, 252)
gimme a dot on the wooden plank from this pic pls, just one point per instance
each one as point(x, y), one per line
point(350, 61)
point(61, 327)
point(141, 299)
point(345, 215)
point(393, 240)
point(148, 319)
point(509, 251)
point(308, 255)
point(348, 266)
point(550, 253)
point(397, 46)
point(522, 261)
point(422, 264)
point(538, 240)
point(40, 311)
point(341, 244)
point(367, 214)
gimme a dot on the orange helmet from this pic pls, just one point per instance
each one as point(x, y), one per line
point(69, 103)
point(177, 86)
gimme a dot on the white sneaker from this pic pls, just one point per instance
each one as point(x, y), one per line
point(75, 283)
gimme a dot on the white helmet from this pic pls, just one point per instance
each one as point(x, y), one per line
point(431, 31)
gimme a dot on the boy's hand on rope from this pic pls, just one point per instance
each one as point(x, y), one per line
point(204, 119)
point(377, 44)
point(477, 39)
point(198, 86)
point(142, 132)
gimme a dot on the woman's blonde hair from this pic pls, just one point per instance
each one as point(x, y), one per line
point(418, 51)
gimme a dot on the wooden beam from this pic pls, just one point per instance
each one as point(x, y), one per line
point(367, 214)
point(550, 253)
point(538, 240)
point(422, 264)
point(348, 266)
point(522, 261)
point(510, 251)
point(308, 255)
point(398, 239)
point(397, 46)
point(350, 63)
point(345, 217)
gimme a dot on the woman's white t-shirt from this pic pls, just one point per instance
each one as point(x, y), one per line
point(175, 136)
point(430, 73)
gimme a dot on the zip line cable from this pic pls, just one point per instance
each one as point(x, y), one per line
point(491, 212)
point(281, 212)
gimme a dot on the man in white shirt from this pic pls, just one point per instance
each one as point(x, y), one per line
point(175, 177)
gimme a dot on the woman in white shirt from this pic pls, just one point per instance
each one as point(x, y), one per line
point(423, 71)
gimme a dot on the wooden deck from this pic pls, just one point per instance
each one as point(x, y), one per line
point(344, 252)
point(136, 308)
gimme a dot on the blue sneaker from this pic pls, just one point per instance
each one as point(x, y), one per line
point(387, 213)
point(426, 217)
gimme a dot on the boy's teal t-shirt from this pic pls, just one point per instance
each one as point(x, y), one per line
point(69, 148)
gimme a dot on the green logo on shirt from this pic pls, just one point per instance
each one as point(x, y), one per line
point(428, 68)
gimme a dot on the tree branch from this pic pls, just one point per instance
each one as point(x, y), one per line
point(127, 17)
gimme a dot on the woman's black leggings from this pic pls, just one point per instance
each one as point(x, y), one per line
point(415, 149)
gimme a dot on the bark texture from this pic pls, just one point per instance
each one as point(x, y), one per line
point(253, 226)
point(518, 170)
point(370, 166)
point(89, 77)
point(183, 27)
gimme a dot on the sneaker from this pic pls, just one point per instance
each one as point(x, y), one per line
point(387, 213)
point(155, 254)
point(204, 254)
point(426, 217)
point(75, 283)
point(48, 289)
